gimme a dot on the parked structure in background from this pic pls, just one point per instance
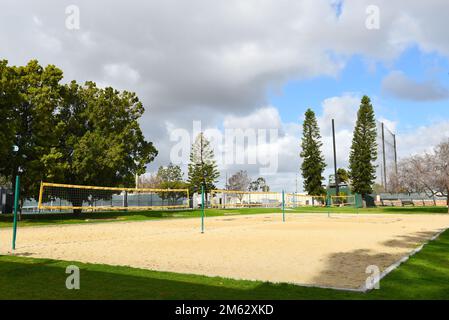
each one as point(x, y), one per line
point(6, 200)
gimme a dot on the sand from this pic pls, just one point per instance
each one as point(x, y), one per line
point(308, 249)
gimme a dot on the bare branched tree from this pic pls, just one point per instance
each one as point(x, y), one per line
point(427, 173)
point(152, 181)
point(239, 182)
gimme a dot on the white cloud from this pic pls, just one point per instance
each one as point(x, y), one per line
point(398, 85)
point(37, 21)
point(266, 118)
point(422, 139)
point(214, 60)
point(121, 74)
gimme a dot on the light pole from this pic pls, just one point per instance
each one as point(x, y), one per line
point(337, 183)
point(16, 201)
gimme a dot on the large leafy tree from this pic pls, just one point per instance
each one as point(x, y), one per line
point(32, 94)
point(313, 164)
point(364, 150)
point(8, 99)
point(343, 175)
point(203, 167)
point(259, 185)
point(68, 133)
point(171, 177)
point(99, 138)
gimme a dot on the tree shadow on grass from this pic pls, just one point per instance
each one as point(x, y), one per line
point(23, 278)
point(424, 276)
point(411, 241)
point(348, 269)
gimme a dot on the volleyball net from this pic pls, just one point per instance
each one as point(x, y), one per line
point(64, 197)
point(229, 199)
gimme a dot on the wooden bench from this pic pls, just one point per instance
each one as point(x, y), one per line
point(407, 203)
point(378, 203)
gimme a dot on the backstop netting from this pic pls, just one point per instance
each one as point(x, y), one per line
point(386, 158)
point(342, 201)
point(293, 200)
point(228, 199)
point(62, 197)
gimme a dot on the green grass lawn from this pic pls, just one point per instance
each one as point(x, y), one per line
point(424, 276)
point(91, 217)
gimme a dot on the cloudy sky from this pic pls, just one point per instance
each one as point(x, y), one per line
point(251, 64)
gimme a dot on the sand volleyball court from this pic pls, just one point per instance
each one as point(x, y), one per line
point(308, 249)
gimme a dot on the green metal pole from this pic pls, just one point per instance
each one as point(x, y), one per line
point(16, 206)
point(202, 209)
point(283, 206)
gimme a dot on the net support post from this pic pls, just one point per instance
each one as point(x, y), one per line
point(202, 208)
point(16, 206)
point(283, 206)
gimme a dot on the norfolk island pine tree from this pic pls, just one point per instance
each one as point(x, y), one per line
point(313, 164)
point(202, 170)
point(363, 150)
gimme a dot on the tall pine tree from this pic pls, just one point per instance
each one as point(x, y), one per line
point(313, 164)
point(364, 150)
point(202, 168)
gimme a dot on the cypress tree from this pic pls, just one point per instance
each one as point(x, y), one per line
point(313, 164)
point(364, 150)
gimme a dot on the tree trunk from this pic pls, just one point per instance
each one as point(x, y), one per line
point(77, 203)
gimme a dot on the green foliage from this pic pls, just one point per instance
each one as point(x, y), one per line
point(364, 150)
point(8, 99)
point(171, 177)
point(32, 97)
point(100, 140)
point(202, 168)
point(170, 174)
point(259, 185)
point(68, 133)
point(313, 164)
point(343, 175)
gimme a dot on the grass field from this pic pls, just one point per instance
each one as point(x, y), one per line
point(424, 276)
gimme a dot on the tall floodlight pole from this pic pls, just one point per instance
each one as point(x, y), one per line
point(395, 155)
point(337, 183)
point(384, 157)
point(296, 184)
